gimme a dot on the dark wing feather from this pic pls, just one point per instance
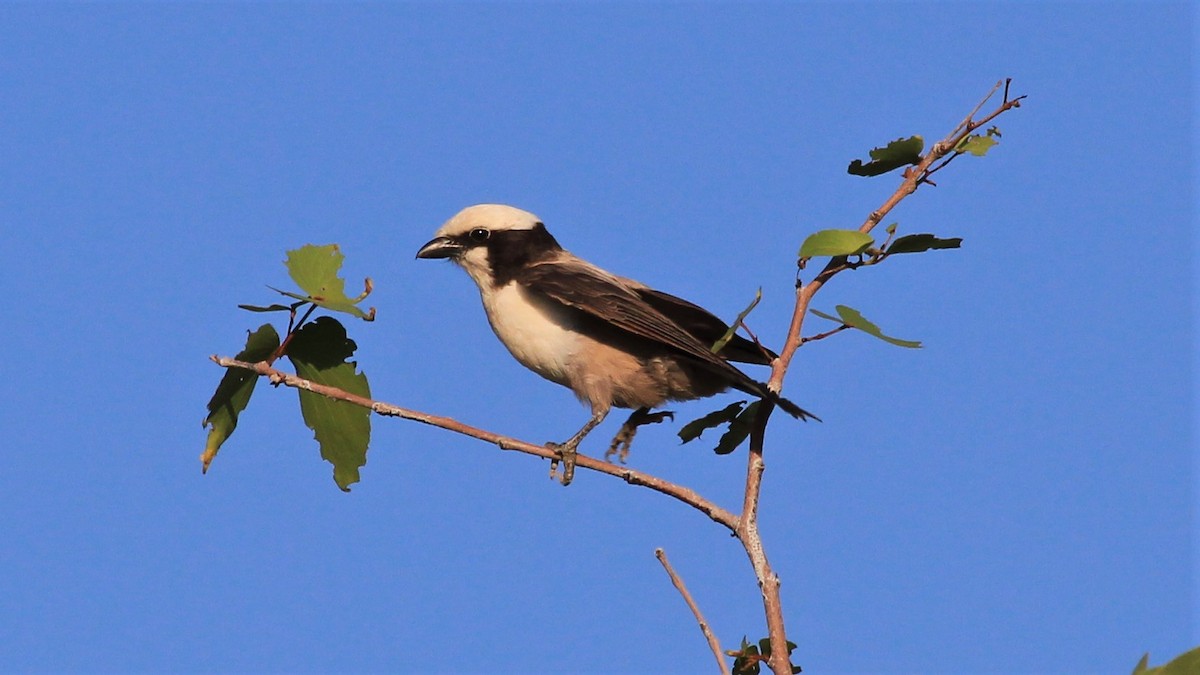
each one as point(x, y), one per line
point(583, 286)
point(706, 327)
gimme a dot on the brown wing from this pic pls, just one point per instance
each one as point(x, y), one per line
point(583, 286)
point(706, 327)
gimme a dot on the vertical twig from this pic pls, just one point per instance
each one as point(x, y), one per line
point(713, 644)
point(747, 533)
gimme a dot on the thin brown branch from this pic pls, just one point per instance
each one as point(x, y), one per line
point(748, 534)
point(713, 644)
point(913, 177)
point(822, 336)
point(747, 530)
point(631, 476)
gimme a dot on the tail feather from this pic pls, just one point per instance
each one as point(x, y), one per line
point(790, 408)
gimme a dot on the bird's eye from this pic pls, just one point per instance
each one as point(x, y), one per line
point(479, 234)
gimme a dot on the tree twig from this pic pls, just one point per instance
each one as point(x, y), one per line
point(631, 476)
point(713, 644)
point(747, 526)
point(748, 534)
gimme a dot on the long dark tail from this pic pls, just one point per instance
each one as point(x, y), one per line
point(759, 389)
point(789, 407)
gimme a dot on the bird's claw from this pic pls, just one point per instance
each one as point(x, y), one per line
point(624, 439)
point(566, 454)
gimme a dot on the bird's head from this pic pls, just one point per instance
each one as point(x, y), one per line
point(489, 241)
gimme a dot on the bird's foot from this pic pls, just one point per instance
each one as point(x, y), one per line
point(566, 453)
point(624, 438)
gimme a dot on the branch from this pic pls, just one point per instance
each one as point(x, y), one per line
point(631, 476)
point(914, 176)
point(713, 644)
point(747, 533)
point(747, 530)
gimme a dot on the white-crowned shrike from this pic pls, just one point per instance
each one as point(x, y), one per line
point(611, 340)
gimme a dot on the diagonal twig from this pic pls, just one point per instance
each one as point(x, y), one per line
point(713, 644)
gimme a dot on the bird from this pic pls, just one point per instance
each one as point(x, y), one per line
point(613, 341)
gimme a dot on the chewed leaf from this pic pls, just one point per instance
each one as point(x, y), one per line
point(898, 153)
point(233, 393)
point(692, 430)
point(835, 242)
point(739, 430)
point(918, 243)
point(853, 318)
point(315, 271)
point(976, 145)
point(320, 351)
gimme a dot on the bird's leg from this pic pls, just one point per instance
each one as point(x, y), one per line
point(624, 438)
point(567, 450)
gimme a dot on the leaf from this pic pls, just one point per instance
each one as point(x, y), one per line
point(1187, 663)
point(851, 317)
point(269, 308)
point(976, 145)
point(319, 351)
point(720, 344)
point(917, 243)
point(898, 153)
point(835, 242)
point(233, 392)
point(692, 430)
point(315, 271)
point(739, 430)
point(891, 229)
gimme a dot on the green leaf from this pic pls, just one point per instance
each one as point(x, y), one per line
point(976, 145)
point(720, 344)
point(917, 243)
point(1187, 663)
point(739, 430)
point(269, 308)
point(233, 393)
point(320, 351)
point(692, 430)
point(835, 242)
point(315, 271)
point(851, 317)
point(898, 153)
point(891, 229)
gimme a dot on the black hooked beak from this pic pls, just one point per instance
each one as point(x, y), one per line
point(440, 247)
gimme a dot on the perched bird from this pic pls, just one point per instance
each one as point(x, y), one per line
point(611, 340)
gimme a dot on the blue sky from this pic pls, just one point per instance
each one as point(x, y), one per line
point(1018, 496)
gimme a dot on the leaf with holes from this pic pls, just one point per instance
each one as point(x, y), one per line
point(919, 243)
point(692, 430)
point(898, 153)
point(315, 271)
point(976, 145)
point(233, 393)
point(739, 430)
point(320, 351)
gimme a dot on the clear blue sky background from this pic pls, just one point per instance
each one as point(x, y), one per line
point(1018, 496)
